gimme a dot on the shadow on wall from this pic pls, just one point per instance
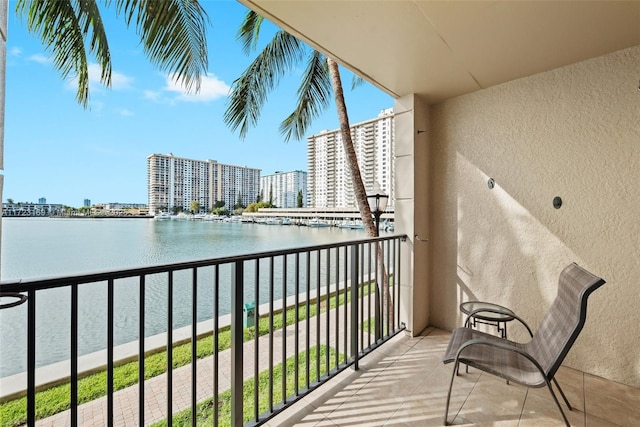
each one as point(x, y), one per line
point(505, 254)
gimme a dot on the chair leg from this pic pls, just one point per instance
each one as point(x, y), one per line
point(555, 399)
point(446, 408)
point(562, 394)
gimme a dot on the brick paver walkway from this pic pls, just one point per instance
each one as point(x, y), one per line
point(125, 404)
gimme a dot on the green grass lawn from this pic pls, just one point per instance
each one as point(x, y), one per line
point(205, 409)
point(57, 399)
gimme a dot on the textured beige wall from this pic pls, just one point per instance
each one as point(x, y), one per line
point(573, 132)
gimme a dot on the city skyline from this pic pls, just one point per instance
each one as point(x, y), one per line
point(56, 150)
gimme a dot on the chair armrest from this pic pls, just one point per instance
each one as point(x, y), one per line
point(497, 311)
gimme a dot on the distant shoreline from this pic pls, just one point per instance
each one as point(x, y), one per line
point(99, 217)
point(85, 217)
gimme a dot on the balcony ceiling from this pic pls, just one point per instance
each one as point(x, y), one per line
point(442, 49)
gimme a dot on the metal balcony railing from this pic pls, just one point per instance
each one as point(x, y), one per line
point(322, 307)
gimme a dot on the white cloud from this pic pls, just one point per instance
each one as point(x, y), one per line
point(125, 112)
point(153, 96)
point(39, 58)
point(211, 88)
point(118, 80)
point(15, 51)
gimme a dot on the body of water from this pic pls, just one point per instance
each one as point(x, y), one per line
point(50, 247)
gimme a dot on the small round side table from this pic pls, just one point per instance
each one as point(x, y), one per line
point(491, 314)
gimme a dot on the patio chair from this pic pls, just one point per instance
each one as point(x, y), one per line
point(534, 363)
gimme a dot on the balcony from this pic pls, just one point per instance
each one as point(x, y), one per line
point(372, 375)
point(405, 383)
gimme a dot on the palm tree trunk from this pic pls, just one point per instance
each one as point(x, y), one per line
point(358, 185)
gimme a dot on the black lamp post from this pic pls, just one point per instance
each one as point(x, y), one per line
point(378, 203)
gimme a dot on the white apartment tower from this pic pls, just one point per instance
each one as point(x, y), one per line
point(282, 188)
point(174, 182)
point(329, 180)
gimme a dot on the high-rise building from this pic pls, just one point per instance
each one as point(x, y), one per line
point(282, 188)
point(174, 182)
point(329, 179)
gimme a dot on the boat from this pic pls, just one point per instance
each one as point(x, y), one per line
point(316, 222)
point(352, 225)
point(273, 221)
point(163, 215)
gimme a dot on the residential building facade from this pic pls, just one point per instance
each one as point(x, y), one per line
point(329, 180)
point(174, 182)
point(282, 188)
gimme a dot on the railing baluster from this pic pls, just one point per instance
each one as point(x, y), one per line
point(328, 310)
point(110, 331)
point(337, 310)
point(237, 342)
point(256, 351)
point(308, 320)
point(31, 358)
point(354, 305)
point(216, 344)
point(194, 346)
point(384, 247)
point(170, 349)
point(346, 305)
point(271, 331)
point(318, 285)
point(366, 278)
point(396, 309)
point(284, 328)
point(141, 349)
point(296, 325)
point(376, 276)
point(74, 355)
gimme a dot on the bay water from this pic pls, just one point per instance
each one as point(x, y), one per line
point(52, 247)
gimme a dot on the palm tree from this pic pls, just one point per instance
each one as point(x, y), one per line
point(172, 33)
point(321, 76)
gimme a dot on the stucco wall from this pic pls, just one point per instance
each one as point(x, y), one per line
point(573, 132)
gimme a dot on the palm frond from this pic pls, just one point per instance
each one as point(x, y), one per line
point(356, 82)
point(173, 34)
point(249, 31)
point(314, 95)
point(89, 18)
point(249, 92)
point(63, 25)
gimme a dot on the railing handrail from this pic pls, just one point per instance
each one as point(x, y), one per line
point(40, 283)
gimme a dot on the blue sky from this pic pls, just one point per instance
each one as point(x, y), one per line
point(56, 149)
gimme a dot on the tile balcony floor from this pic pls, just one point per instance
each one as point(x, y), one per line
point(405, 383)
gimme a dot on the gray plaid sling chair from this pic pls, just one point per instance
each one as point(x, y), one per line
point(534, 363)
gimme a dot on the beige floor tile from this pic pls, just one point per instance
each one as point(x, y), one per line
point(492, 400)
point(543, 411)
point(572, 383)
point(593, 421)
point(611, 401)
point(299, 414)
